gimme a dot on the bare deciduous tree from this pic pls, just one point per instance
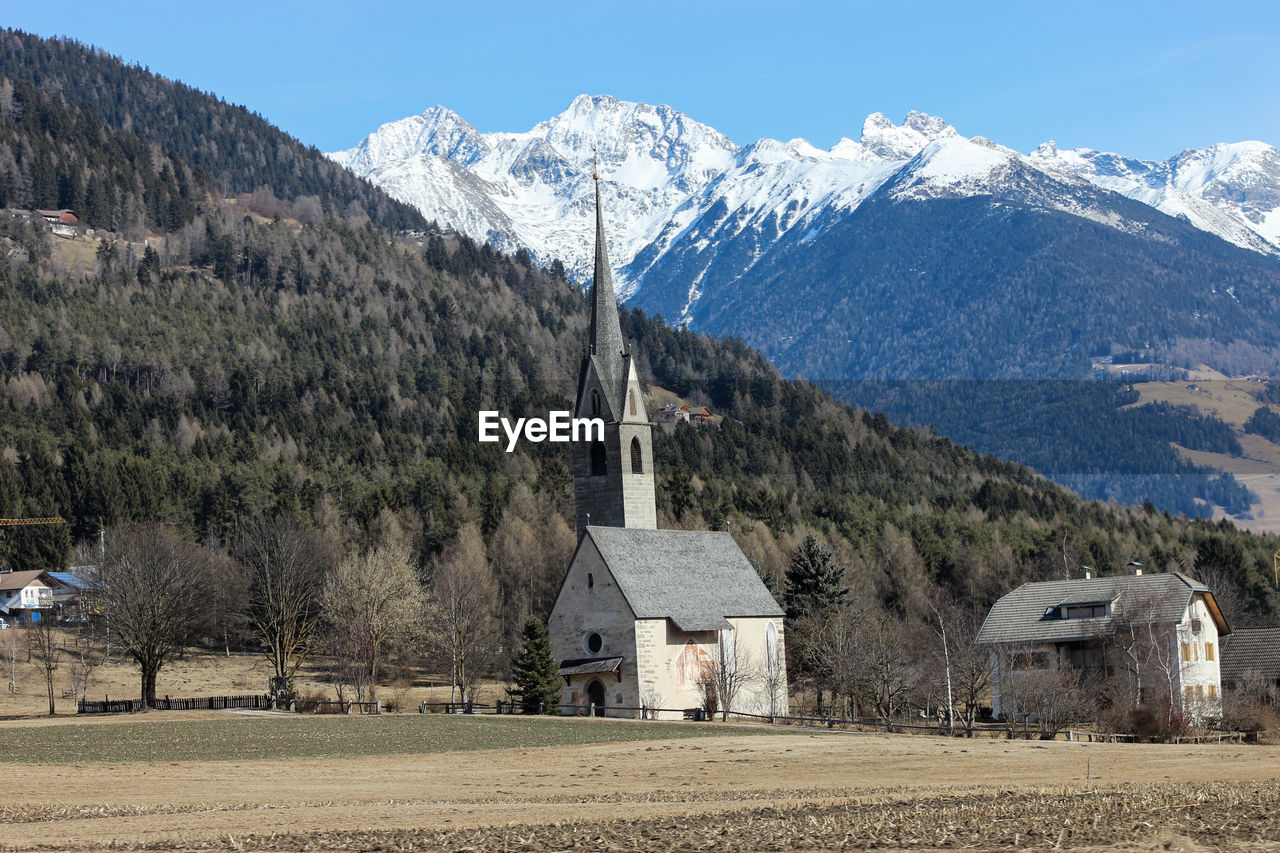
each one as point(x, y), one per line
point(284, 569)
point(731, 670)
point(370, 601)
point(90, 650)
point(464, 597)
point(44, 652)
point(154, 592)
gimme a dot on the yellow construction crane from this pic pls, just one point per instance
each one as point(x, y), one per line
point(21, 522)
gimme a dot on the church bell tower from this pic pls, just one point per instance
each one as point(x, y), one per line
point(612, 479)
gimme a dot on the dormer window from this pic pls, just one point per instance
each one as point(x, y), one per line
point(1097, 610)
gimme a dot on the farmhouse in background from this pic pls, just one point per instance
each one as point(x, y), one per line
point(1162, 630)
point(649, 618)
point(23, 595)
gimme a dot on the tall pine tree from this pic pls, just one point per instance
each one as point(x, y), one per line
point(536, 672)
point(815, 581)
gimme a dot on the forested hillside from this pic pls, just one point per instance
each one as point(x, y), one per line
point(239, 149)
point(1086, 434)
point(257, 359)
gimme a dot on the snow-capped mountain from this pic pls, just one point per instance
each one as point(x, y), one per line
point(534, 189)
point(662, 172)
point(1229, 189)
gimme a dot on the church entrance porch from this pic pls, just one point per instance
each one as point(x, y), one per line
point(595, 695)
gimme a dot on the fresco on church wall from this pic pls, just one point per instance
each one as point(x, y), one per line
point(690, 663)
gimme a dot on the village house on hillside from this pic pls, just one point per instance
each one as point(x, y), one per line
point(1163, 632)
point(648, 618)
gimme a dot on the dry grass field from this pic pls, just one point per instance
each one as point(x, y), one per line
point(736, 789)
point(246, 781)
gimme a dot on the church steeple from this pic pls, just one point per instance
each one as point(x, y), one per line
point(612, 479)
point(606, 334)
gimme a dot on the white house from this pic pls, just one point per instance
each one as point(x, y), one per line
point(26, 592)
point(649, 618)
point(1161, 631)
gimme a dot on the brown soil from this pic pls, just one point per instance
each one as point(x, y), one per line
point(996, 793)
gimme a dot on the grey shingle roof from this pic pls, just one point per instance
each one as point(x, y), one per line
point(695, 578)
point(1020, 616)
point(586, 666)
point(1251, 649)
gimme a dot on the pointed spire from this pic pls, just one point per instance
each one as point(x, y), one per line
point(606, 333)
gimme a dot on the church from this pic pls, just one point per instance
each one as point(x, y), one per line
point(651, 621)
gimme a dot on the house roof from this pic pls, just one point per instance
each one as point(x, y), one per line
point(695, 578)
point(72, 579)
point(1251, 650)
point(19, 580)
point(1029, 613)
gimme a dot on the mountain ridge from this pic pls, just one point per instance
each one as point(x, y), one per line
point(1236, 196)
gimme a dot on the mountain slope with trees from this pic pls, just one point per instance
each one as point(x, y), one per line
point(238, 149)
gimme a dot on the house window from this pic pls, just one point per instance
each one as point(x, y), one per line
point(1213, 691)
point(1188, 692)
point(1199, 691)
point(1084, 611)
point(1186, 651)
point(1195, 651)
point(1208, 651)
point(637, 464)
point(599, 461)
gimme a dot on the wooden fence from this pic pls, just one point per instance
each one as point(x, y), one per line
point(166, 703)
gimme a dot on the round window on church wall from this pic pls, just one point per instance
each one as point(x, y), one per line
point(594, 643)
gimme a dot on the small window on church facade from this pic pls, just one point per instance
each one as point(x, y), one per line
point(591, 580)
point(595, 403)
point(593, 643)
point(637, 464)
point(631, 401)
point(599, 461)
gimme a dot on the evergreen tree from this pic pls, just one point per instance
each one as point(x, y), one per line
point(535, 670)
point(814, 580)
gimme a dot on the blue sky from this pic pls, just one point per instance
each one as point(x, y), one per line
point(1144, 79)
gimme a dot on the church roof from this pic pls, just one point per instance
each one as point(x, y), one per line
point(694, 578)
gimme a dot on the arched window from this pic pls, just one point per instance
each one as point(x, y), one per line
point(595, 403)
point(631, 401)
point(637, 464)
point(771, 641)
point(599, 461)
